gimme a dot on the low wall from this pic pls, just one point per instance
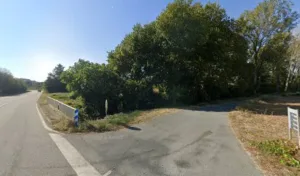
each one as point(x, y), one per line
point(66, 109)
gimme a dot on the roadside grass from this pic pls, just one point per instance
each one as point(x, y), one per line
point(110, 123)
point(114, 122)
point(121, 120)
point(66, 98)
point(53, 116)
point(262, 126)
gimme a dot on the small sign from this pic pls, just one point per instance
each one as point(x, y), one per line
point(106, 107)
point(293, 117)
point(76, 117)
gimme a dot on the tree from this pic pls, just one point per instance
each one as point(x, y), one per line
point(294, 62)
point(9, 84)
point(53, 82)
point(94, 83)
point(269, 19)
point(190, 53)
point(276, 56)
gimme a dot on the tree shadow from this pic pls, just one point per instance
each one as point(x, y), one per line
point(221, 107)
point(271, 106)
point(13, 94)
point(131, 127)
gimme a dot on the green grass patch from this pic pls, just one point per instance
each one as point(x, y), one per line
point(110, 123)
point(284, 149)
point(66, 98)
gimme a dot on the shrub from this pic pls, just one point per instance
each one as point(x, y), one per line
point(286, 150)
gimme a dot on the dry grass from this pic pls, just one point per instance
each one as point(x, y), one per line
point(264, 120)
point(56, 119)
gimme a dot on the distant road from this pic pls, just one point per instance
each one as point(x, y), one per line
point(188, 143)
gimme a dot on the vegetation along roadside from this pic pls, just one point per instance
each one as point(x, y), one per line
point(60, 122)
point(262, 126)
point(191, 53)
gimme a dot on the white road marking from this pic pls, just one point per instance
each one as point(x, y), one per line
point(3, 105)
point(107, 173)
point(75, 159)
point(43, 121)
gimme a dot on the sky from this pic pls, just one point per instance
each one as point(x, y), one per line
point(36, 35)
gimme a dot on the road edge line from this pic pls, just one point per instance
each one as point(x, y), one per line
point(80, 165)
point(3, 105)
point(43, 121)
point(107, 173)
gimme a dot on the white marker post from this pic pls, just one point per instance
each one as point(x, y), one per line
point(293, 117)
point(106, 107)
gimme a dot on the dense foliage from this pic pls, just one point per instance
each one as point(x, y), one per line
point(191, 53)
point(53, 82)
point(32, 85)
point(10, 85)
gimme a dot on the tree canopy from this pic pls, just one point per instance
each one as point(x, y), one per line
point(53, 82)
point(10, 85)
point(270, 21)
point(191, 53)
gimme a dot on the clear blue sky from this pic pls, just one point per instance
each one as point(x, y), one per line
point(35, 35)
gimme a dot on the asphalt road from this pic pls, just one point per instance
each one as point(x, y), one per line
point(188, 143)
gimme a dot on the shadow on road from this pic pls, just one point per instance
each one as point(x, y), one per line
point(131, 127)
point(276, 105)
point(225, 107)
point(16, 94)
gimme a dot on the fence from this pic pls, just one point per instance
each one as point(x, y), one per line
point(66, 109)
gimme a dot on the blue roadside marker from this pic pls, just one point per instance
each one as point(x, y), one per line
point(76, 117)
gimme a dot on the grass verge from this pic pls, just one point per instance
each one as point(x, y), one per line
point(114, 122)
point(262, 126)
point(121, 120)
point(66, 98)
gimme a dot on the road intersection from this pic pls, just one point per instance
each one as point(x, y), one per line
point(190, 142)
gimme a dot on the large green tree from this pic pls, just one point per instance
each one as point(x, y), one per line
point(260, 26)
point(9, 84)
point(53, 82)
point(94, 83)
point(293, 68)
point(190, 53)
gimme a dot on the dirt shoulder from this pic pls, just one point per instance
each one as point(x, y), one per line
point(262, 126)
point(53, 117)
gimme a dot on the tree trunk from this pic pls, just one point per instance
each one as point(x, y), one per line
point(278, 83)
point(289, 77)
point(255, 82)
point(287, 82)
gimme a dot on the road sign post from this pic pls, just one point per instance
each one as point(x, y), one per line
point(76, 118)
point(106, 107)
point(293, 118)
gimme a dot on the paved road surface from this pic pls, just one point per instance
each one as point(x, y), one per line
point(190, 142)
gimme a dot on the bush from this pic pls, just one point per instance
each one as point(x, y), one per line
point(110, 123)
point(286, 150)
